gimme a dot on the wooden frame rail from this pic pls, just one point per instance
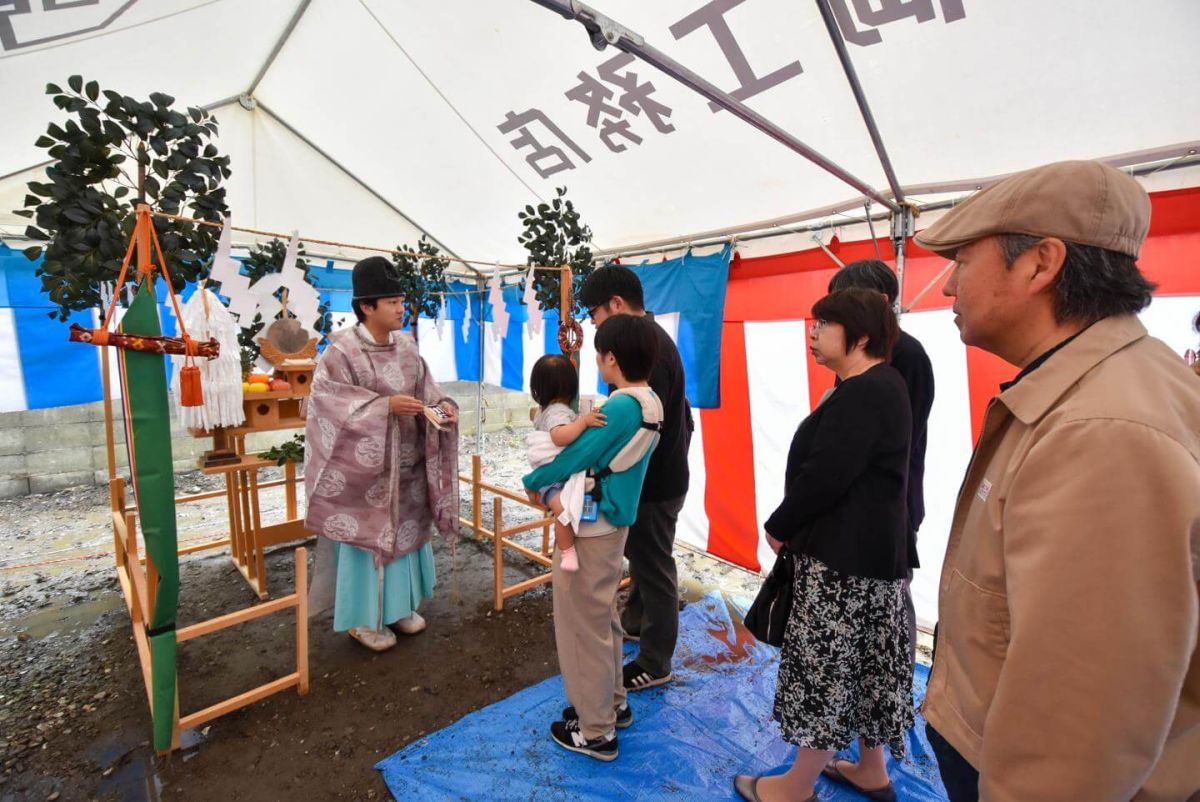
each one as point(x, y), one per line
point(138, 577)
point(500, 536)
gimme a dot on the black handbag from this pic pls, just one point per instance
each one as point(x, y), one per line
point(767, 618)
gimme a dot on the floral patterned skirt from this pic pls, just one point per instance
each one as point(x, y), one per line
point(845, 671)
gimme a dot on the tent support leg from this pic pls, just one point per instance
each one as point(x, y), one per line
point(479, 384)
point(903, 227)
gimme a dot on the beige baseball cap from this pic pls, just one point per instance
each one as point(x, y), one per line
point(1084, 202)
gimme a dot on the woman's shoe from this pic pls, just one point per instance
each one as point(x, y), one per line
point(747, 786)
point(885, 794)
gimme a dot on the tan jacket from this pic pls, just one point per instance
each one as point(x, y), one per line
point(1067, 663)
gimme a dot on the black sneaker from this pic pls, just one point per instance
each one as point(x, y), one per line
point(624, 716)
point(639, 679)
point(567, 735)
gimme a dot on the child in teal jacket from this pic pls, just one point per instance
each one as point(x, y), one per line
point(595, 449)
point(587, 629)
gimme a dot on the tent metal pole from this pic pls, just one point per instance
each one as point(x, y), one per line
point(860, 97)
point(604, 31)
point(903, 226)
point(479, 285)
point(1140, 164)
point(279, 43)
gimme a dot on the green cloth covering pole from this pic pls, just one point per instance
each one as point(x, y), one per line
point(154, 486)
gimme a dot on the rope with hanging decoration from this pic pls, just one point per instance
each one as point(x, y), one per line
point(570, 333)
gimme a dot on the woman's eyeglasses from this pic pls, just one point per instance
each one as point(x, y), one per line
point(817, 325)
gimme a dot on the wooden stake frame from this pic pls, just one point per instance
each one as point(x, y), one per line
point(500, 537)
point(135, 573)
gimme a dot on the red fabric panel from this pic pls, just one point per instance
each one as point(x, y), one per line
point(785, 286)
point(729, 459)
point(1173, 262)
point(1175, 212)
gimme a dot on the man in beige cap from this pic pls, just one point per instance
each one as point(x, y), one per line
point(1066, 665)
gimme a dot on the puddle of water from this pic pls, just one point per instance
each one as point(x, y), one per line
point(61, 617)
point(133, 767)
point(134, 780)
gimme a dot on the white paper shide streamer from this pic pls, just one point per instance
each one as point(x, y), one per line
point(496, 299)
point(204, 316)
point(303, 298)
point(466, 324)
point(234, 286)
point(531, 302)
point(440, 323)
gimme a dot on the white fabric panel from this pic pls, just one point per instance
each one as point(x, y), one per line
point(1169, 318)
point(534, 348)
point(670, 324)
point(779, 401)
point(492, 351)
point(692, 528)
point(12, 381)
point(589, 374)
point(948, 452)
point(438, 350)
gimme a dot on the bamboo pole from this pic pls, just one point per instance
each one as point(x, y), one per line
point(109, 429)
point(302, 619)
point(289, 472)
point(498, 553)
point(477, 492)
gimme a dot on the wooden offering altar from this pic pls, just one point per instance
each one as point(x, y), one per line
point(274, 410)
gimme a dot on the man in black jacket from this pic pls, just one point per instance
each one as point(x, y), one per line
point(652, 613)
point(910, 359)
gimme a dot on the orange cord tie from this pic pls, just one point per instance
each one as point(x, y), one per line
point(190, 391)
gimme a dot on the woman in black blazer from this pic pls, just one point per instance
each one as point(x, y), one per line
point(845, 669)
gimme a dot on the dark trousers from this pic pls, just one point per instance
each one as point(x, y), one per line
point(652, 612)
point(959, 776)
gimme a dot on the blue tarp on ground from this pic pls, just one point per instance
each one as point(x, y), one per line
point(688, 739)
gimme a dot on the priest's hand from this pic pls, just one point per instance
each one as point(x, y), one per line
point(451, 412)
point(405, 405)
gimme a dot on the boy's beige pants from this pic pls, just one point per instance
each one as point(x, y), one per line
point(587, 627)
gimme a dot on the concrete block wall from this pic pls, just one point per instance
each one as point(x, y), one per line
point(44, 450)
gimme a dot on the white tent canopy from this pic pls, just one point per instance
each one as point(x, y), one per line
point(372, 121)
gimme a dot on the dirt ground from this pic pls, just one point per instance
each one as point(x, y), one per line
point(74, 722)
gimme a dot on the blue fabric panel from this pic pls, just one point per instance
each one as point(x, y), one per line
point(694, 287)
point(687, 742)
point(56, 372)
point(466, 350)
point(512, 355)
point(550, 331)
